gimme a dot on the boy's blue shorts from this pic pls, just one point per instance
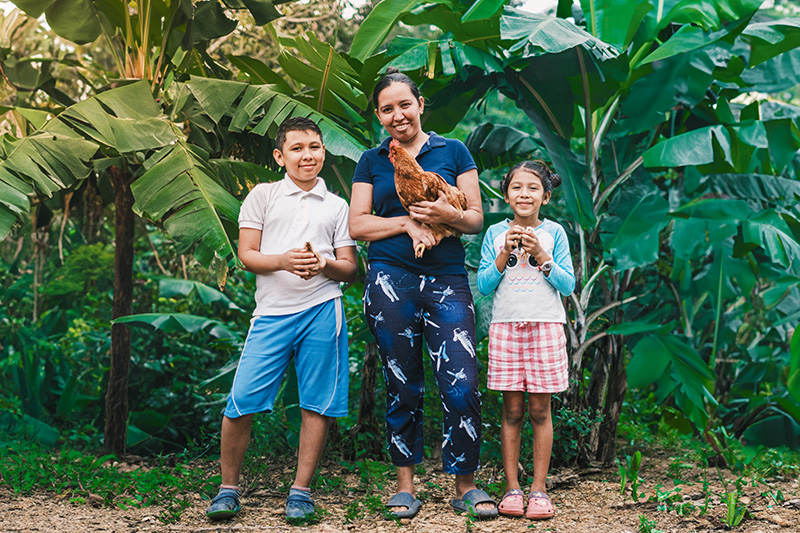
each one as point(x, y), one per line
point(317, 338)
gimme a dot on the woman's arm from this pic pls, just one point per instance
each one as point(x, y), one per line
point(441, 212)
point(364, 226)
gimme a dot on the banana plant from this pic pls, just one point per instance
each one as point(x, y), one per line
point(150, 127)
point(642, 108)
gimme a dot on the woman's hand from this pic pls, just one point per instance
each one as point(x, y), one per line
point(421, 235)
point(438, 212)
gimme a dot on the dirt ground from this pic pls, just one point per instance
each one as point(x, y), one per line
point(586, 501)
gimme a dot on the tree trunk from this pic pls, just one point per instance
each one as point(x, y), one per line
point(615, 395)
point(116, 426)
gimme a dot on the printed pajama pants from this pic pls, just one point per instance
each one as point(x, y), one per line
point(402, 309)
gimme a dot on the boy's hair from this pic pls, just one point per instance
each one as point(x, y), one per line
point(537, 167)
point(295, 124)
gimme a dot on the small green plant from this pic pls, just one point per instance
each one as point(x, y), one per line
point(775, 497)
point(666, 499)
point(647, 526)
point(706, 494)
point(630, 472)
point(735, 511)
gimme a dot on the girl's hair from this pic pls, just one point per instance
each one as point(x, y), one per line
point(537, 167)
point(393, 76)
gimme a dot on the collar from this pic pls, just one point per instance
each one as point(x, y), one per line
point(290, 188)
point(434, 141)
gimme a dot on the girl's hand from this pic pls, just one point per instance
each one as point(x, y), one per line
point(300, 262)
point(513, 238)
point(438, 212)
point(530, 243)
point(421, 235)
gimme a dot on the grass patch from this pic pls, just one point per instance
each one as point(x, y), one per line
point(26, 467)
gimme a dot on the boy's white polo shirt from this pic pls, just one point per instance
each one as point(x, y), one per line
point(288, 217)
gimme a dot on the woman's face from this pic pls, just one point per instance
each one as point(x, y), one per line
point(399, 111)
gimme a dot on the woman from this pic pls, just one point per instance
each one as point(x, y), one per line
point(406, 297)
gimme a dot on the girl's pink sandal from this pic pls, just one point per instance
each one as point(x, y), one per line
point(539, 506)
point(512, 503)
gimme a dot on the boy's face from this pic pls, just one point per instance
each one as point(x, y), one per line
point(302, 155)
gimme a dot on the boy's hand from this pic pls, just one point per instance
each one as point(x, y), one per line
point(316, 268)
point(302, 263)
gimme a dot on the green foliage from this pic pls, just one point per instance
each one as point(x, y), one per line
point(630, 471)
point(647, 526)
point(81, 477)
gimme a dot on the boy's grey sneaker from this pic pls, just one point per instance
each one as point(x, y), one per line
point(224, 505)
point(299, 505)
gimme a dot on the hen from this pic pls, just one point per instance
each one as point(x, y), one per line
point(416, 185)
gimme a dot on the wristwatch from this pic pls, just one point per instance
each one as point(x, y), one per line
point(546, 267)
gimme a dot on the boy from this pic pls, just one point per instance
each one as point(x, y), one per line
point(298, 312)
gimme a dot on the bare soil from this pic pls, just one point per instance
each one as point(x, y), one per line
point(586, 501)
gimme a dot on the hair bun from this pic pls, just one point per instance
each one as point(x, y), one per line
point(391, 70)
point(555, 179)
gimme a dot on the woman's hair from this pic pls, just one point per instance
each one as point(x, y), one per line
point(393, 76)
point(537, 167)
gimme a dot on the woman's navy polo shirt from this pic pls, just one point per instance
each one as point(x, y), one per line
point(447, 157)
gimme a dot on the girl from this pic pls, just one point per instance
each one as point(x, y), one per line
point(527, 263)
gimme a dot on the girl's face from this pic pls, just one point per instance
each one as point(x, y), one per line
point(526, 195)
point(399, 112)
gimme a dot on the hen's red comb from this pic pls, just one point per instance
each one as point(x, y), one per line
point(394, 142)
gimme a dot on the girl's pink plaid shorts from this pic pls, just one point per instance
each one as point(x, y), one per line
point(528, 357)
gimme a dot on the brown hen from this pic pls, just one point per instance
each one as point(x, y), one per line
point(416, 185)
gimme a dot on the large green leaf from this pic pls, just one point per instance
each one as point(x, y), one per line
point(759, 187)
point(776, 74)
point(572, 171)
point(178, 323)
point(482, 9)
point(493, 146)
point(262, 107)
point(126, 119)
point(179, 191)
point(614, 21)
point(769, 230)
point(376, 27)
point(631, 233)
point(659, 88)
point(171, 287)
point(649, 361)
point(691, 148)
point(216, 96)
point(44, 162)
point(724, 209)
point(689, 38)
point(694, 380)
point(537, 34)
point(259, 73)
point(771, 38)
point(793, 381)
point(323, 68)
